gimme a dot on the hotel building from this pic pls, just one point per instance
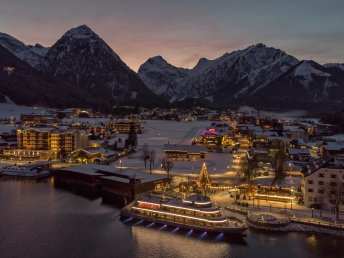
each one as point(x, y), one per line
point(325, 185)
point(46, 143)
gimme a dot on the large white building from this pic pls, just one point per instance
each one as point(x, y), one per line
point(325, 185)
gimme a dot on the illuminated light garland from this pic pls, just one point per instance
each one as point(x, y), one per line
point(178, 207)
point(202, 203)
point(197, 203)
point(274, 196)
point(179, 215)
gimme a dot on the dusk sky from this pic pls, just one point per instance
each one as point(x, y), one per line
point(182, 31)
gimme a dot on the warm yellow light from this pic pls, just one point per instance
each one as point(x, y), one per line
point(182, 216)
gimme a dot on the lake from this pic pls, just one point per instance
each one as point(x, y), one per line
point(39, 220)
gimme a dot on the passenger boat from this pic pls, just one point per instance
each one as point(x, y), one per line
point(34, 170)
point(196, 213)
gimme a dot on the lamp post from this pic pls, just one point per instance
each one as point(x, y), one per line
point(312, 212)
point(291, 201)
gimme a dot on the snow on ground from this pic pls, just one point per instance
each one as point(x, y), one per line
point(4, 128)
point(10, 110)
point(286, 182)
point(91, 121)
point(290, 115)
point(156, 133)
point(337, 137)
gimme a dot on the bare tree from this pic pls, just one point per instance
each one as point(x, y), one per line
point(246, 168)
point(280, 158)
point(167, 165)
point(335, 193)
point(152, 156)
point(145, 153)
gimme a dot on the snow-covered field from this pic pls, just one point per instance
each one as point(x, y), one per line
point(285, 115)
point(9, 110)
point(91, 121)
point(156, 133)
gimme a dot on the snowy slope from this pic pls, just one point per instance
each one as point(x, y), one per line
point(33, 55)
point(161, 77)
point(252, 67)
point(82, 57)
point(305, 85)
point(334, 65)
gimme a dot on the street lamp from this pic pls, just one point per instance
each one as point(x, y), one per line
point(291, 201)
point(312, 212)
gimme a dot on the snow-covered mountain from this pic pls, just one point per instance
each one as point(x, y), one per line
point(335, 65)
point(24, 85)
point(82, 64)
point(243, 71)
point(162, 77)
point(82, 57)
point(305, 85)
point(82, 67)
point(253, 76)
point(33, 55)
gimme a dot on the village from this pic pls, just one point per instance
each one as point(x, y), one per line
point(244, 161)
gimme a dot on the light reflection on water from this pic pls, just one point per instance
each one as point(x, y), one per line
point(152, 243)
point(39, 220)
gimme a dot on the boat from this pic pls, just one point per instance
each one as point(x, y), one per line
point(31, 170)
point(193, 213)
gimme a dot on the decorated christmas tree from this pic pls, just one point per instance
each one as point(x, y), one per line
point(203, 179)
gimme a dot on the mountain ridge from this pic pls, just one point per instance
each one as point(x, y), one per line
point(83, 60)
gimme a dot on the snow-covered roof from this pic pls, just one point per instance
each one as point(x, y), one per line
point(295, 151)
point(335, 146)
point(112, 173)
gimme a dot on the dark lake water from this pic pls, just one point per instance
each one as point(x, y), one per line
point(39, 220)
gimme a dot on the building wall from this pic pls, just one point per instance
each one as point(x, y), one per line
point(33, 139)
point(54, 140)
point(122, 127)
point(318, 186)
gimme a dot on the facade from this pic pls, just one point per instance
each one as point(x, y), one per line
point(36, 119)
point(46, 143)
point(34, 138)
point(123, 126)
point(92, 155)
point(68, 141)
point(325, 185)
point(175, 152)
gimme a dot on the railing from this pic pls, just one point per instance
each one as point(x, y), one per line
point(317, 223)
point(240, 210)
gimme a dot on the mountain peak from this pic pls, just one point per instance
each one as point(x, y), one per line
point(20, 50)
point(158, 59)
point(203, 63)
point(259, 45)
point(82, 31)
